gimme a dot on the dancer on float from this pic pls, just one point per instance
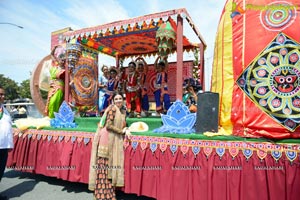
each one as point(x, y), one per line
point(133, 100)
point(57, 73)
point(111, 86)
point(102, 84)
point(107, 158)
point(162, 98)
point(142, 70)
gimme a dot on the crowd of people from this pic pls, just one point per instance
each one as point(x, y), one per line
point(132, 83)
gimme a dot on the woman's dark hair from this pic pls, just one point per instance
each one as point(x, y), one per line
point(102, 68)
point(117, 93)
point(162, 64)
point(132, 63)
point(193, 83)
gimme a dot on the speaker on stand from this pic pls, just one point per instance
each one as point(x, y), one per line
point(207, 112)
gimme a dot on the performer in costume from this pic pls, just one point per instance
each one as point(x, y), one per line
point(162, 98)
point(57, 72)
point(142, 70)
point(111, 87)
point(102, 84)
point(6, 134)
point(107, 159)
point(133, 100)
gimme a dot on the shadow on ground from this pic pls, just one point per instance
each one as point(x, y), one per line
point(31, 180)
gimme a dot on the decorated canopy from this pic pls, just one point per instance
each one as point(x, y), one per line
point(256, 68)
point(137, 37)
point(134, 36)
point(120, 39)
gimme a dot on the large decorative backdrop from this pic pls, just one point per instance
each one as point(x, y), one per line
point(256, 68)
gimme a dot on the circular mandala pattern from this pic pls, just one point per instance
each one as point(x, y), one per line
point(272, 81)
point(85, 85)
point(278, 16)
point(86, 81)
point(135, 44)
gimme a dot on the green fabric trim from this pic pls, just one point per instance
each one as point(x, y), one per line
point(90, 125)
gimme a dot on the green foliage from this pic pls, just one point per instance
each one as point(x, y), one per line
point(24, 89)
point(14, 91)
point(196, 63)
point(10, 86)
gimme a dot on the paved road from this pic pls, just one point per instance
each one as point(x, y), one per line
point(26, 186)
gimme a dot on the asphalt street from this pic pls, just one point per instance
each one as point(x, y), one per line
point(27, 186)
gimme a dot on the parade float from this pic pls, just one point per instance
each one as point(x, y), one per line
point(253, 155)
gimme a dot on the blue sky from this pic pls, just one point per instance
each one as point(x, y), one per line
point(22, 49)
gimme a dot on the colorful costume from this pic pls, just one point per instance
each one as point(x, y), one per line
point(112, 85)
point(162, 98)
point(103, 81)
point(56, 92)
point(133, 101)
point(143, 92)
point(107, 159)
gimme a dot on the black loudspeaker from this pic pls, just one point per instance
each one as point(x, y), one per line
point(207, 112)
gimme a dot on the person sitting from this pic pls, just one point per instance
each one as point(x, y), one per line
point(190, 98)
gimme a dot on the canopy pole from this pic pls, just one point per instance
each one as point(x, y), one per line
point(202, 66)
point(179, 46)
point(67, 80)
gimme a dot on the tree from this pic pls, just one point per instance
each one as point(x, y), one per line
point(24, 89)
point(10, 86)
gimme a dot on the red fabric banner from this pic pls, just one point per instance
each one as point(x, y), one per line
point(166, 176)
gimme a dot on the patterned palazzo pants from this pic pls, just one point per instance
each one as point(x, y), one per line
point(103, 189)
